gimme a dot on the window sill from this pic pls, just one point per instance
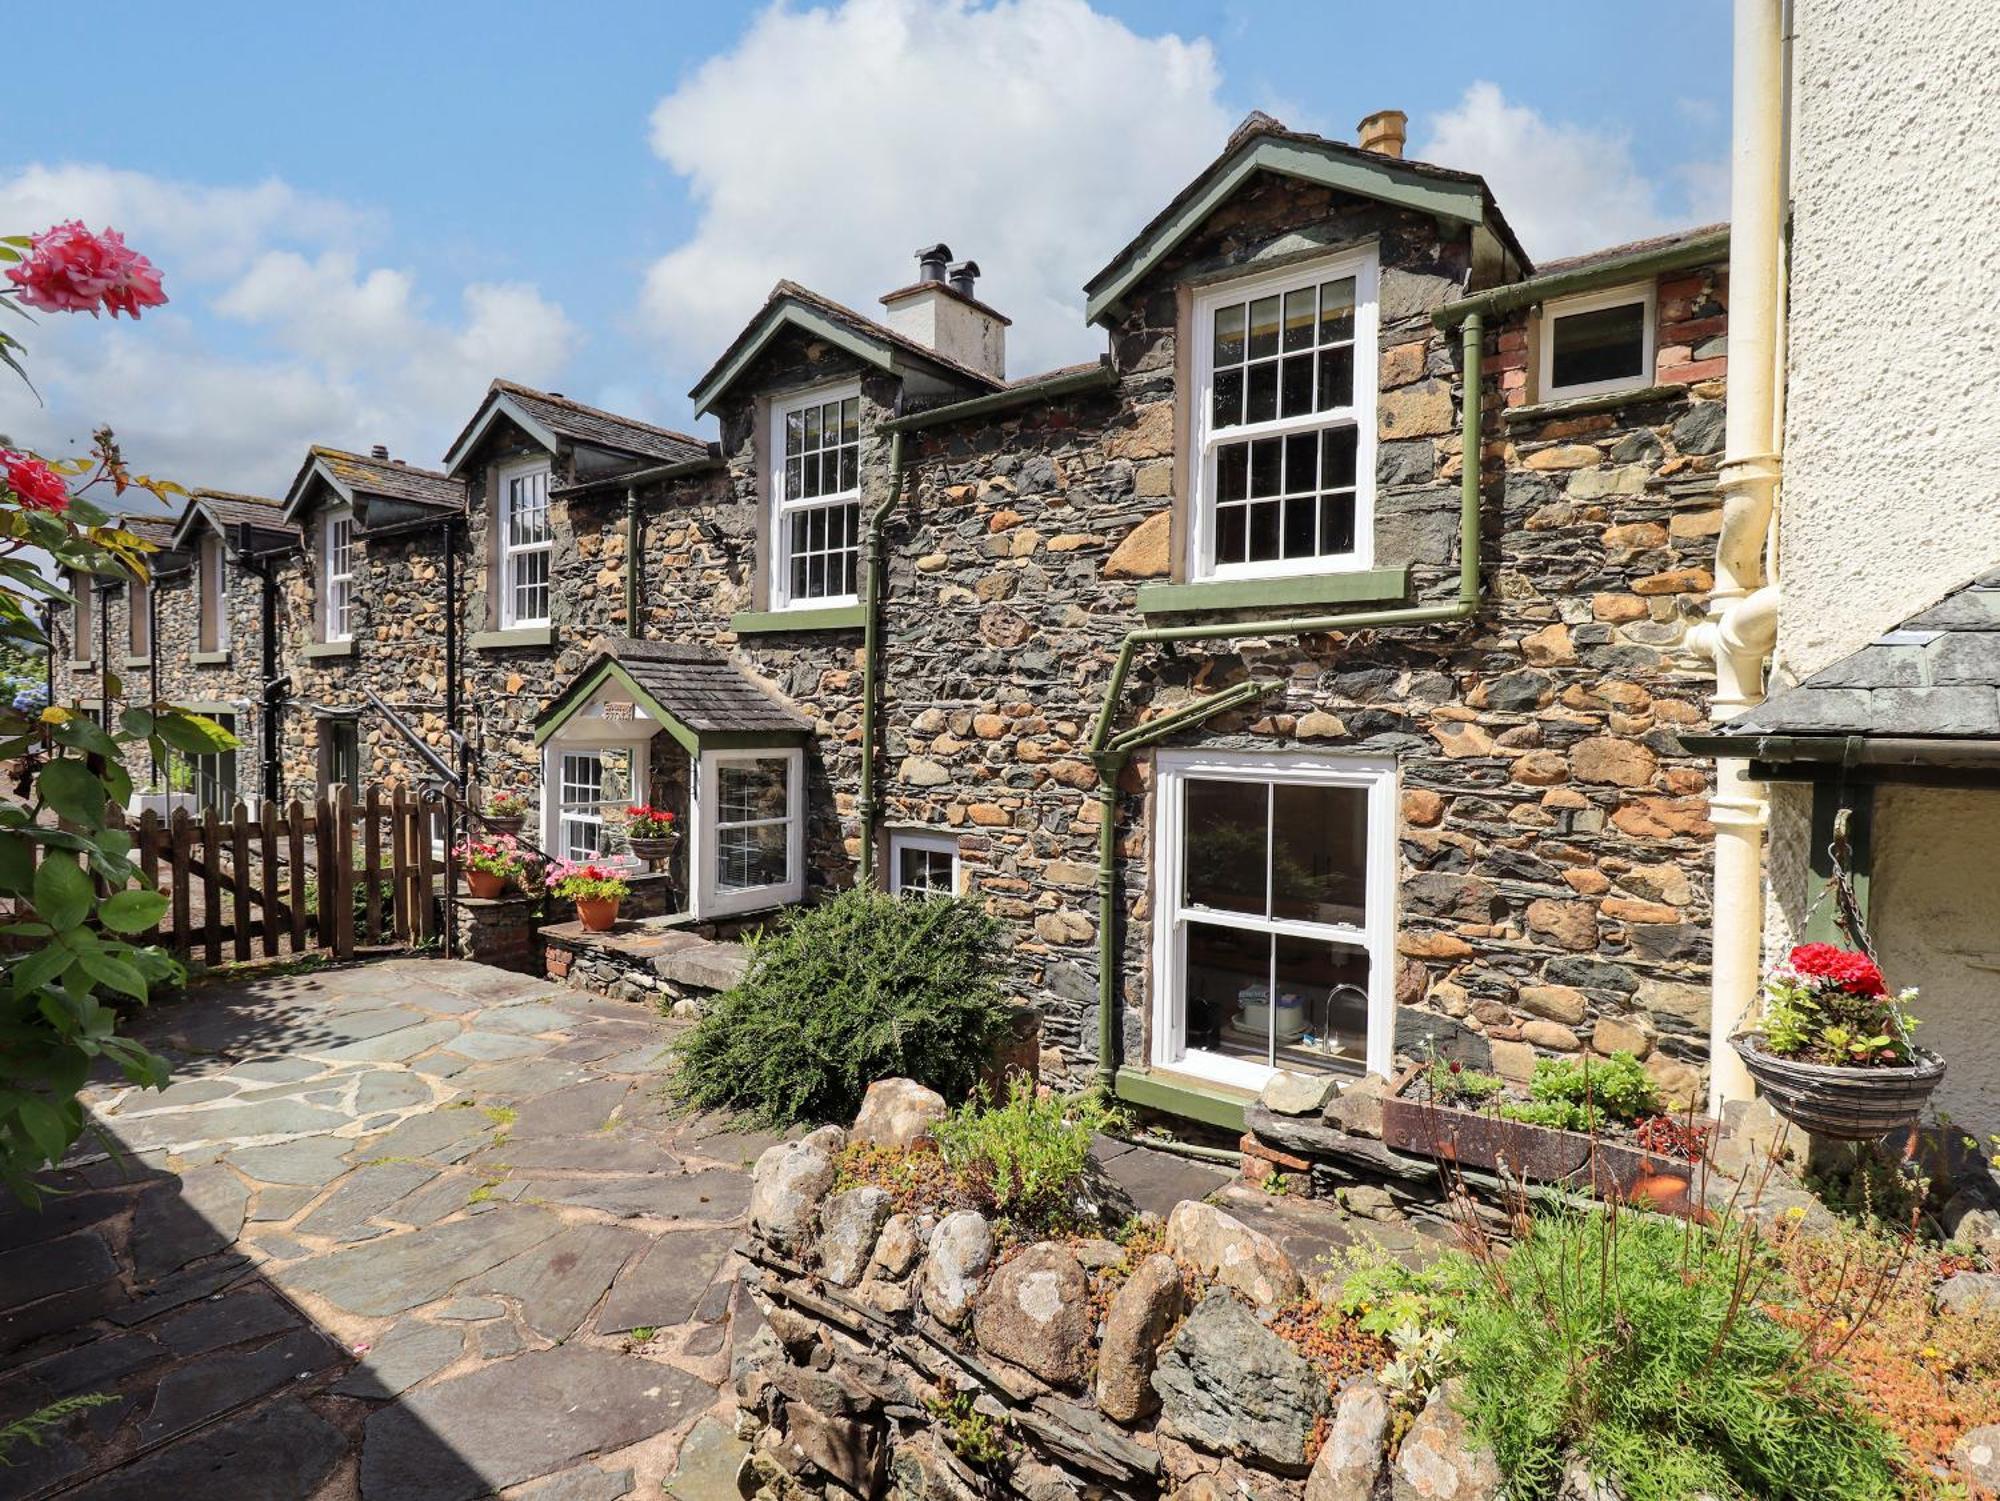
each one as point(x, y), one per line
point(330, 649)
point(514, 637)
point(83, 664)
point(766, 622)
point(1171, 1094)
point(210, 659)
point(1601, 401)
point(1364, 586)
point(132, 662)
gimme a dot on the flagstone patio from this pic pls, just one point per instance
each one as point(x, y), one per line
point(413, 1229)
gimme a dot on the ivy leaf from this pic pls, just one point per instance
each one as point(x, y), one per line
point(62, 893)
point(71, 789)
point(132, 911)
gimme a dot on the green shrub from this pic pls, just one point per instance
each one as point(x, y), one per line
point(1615, 1088)
point(862, 987)
point(1026, 1159)
point(1563, 1115)
point(1644, 1344)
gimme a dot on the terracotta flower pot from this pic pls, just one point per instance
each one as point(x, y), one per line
point(485, 884)
point(598, 914)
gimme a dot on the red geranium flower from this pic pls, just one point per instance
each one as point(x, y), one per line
point(1854, 973)
point(36, 486)
point(71, 270)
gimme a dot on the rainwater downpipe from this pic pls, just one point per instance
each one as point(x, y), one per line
point(632, 561)
point(1111, 751)
point(871, 652)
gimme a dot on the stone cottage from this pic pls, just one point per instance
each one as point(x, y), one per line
point(1298, 681)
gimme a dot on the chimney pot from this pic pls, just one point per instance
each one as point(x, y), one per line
point(379, 451)
point(963, 275)
point(1383, 132)
point(931, 262)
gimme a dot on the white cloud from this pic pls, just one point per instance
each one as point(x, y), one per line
point(280, 334)
point(1034, 136)
point(1567, 188)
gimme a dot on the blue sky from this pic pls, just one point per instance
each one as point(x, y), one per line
point(364, 212)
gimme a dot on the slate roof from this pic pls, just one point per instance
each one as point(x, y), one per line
point(599, 428)
point(158, 530)
point(425, 487)
point(755, 331)
point(225, 510)
point(1632, 247)
point(1935, 676)
point(698, 685)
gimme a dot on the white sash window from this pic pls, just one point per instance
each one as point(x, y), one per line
point(526, 541)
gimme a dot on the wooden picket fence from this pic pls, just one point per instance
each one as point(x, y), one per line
point(291, 881)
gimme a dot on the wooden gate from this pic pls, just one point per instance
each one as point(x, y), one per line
point(288, 881)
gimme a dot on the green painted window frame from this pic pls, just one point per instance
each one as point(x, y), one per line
point(1359, 586)
point(1176, 1096)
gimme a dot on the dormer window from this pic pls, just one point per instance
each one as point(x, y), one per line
point(816, 531)
point(1284, 422)
point(212, 620)
point(525, 544)
point(1596, 344)
point(337, 547)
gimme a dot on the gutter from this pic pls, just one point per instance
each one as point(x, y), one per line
point(1697, 250)
point(1111, 751)
point(1859, 749)
point(1098, 377)
point(676, 470)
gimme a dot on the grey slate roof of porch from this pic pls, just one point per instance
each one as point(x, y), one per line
point(1935, 676)
point(604, 429)
point(699, 685)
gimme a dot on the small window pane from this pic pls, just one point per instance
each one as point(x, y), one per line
point(850, 468)
point(1336, 378)
point(1299, 319)
point(1264, 532)
point(1261, 400)
point(1267, 458)
point(1263, 328)
point(1227, 834)
point(1228, 986)
point(1322, 1002)
point(1301, 529)
point(1336, 310)
point(794, 482)
point(1228, 398)
point(752, 789)
point(1605, 344)
point(1232, 471)
point(1232, 535)
point(850, 420)
point(1336, 524)
point(1301, 463)
point(1297, 399)
point(795, 432)
point(811, 439)
point(1337, 450)
point(1229, 335)
point(1319, 854)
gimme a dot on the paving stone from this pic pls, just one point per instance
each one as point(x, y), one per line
point(385, 1089)
point(365, 1192)
point(282, 1201)
point(341, 1024)
point(281, 1453)
point(714, 1194)
point(174, 1096)
point(439, 1199)
point(444, 1135)
point(664, 1286)
point(93, 1366)
point(647, 1058)
point(405, 1271)
point(281, 1247)
point(194, 1394)
point(218, 1321)
point(178, 1220)
point(441, 1065)
point(523, 1078)
point(706, 1468)
point(576, 1111)
point(1157, 1181)
point(558, 1282)
point(395, 1047)
point(225, 1122)
point(583, 1049)
point(470, 1308)
point(277, 1070)
point(64, 1313)
point(313, 1162)
point(499, 1339)
point(526, 1020)
point(183, 1288)
point(526, 1418)
point(54, 1266)
point(601, 1152)
point(410, 1352)
point(58, 1215)
point(491, 1047)
point(584, 1483)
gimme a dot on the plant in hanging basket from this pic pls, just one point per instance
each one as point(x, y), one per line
point(505, 812)
point(650, 832)
point(1833, 1053)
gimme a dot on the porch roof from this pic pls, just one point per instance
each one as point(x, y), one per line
point(699, 696)
point(1925, 692)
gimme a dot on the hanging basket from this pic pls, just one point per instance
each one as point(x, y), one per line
point(1843, 1104)
point(504, 823)
point(661, 848)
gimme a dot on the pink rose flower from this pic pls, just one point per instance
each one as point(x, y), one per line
point(71, 270)
point(36, 486)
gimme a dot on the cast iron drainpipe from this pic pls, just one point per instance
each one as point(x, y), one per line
point(1110, 752)
point(871, 652)
point(271, 694)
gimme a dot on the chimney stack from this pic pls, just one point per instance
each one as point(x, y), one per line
point(1383, 132)
point(939, 311)
point(379, 451)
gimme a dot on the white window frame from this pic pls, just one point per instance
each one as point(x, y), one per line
point(552, 815)
point(211, 602)
point(708, 899)
point(337, 617)
point(782, 510)
point(503, 517)
point(1172, 771)
point(911, 839)
point(1589, 302)
point(1364, 265)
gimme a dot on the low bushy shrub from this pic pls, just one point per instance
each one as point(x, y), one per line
point(862, 987)
point(1024, 1160)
